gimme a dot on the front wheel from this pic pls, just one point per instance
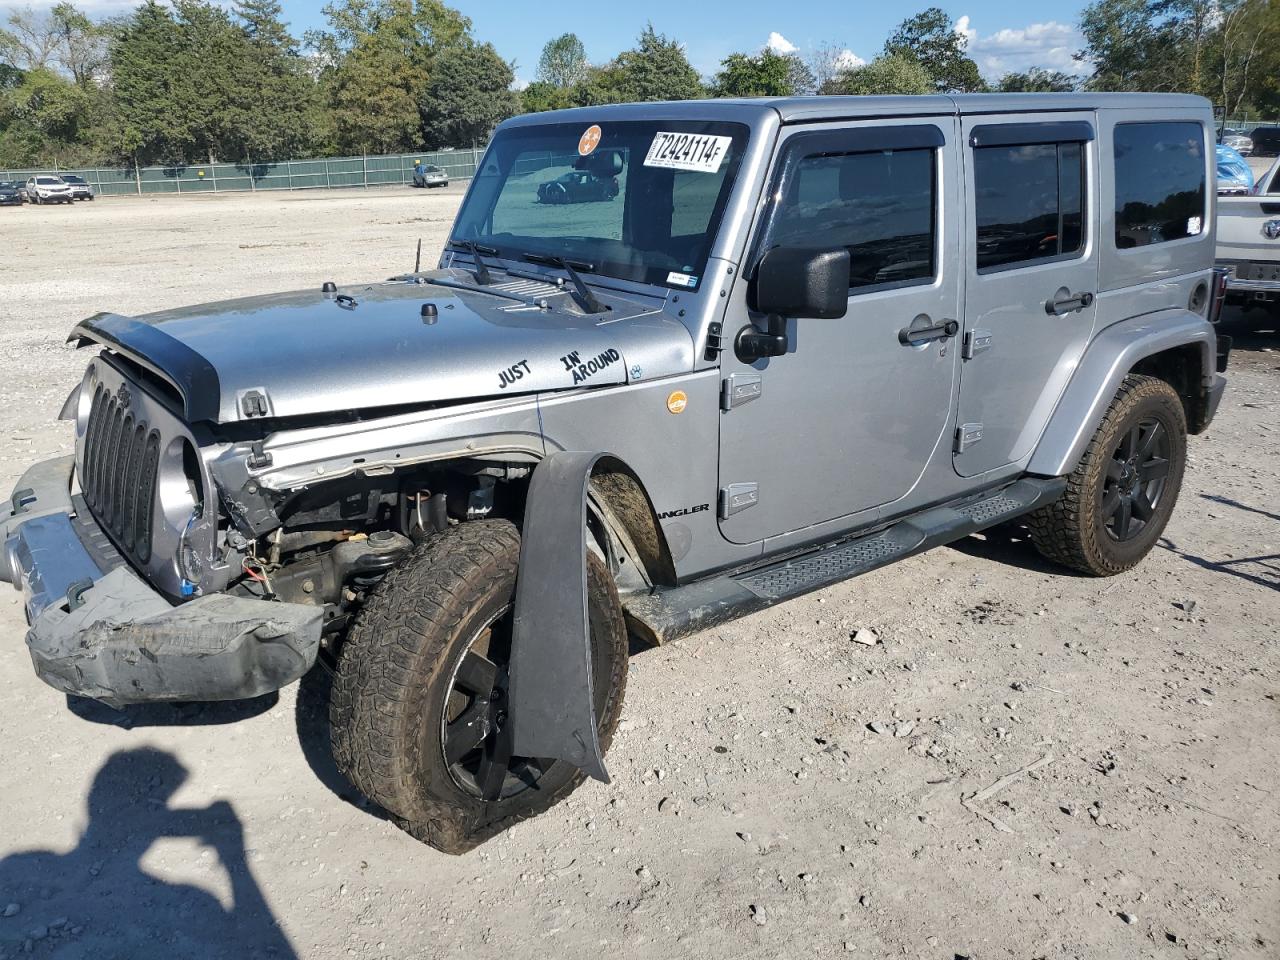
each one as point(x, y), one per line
point(418, 707)
point(1122, 493)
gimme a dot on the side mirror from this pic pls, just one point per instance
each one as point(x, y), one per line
point(603, 163)
point(794, 282)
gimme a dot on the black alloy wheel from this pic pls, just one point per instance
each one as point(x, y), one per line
point(474, 735)
point(1135, 479)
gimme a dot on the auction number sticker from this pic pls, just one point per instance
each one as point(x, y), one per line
point(699, 152)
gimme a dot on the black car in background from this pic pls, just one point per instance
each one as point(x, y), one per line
point(578, 186)
point(1266, 141)
point(10, 194)
point(80, 189)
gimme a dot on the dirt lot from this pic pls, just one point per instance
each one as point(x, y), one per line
point(754, 812)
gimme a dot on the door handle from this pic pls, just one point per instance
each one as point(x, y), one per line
point(913, 337)
point(1064, 301)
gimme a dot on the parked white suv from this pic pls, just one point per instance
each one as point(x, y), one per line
point(47, 189)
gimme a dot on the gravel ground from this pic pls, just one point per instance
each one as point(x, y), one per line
point(779, 791)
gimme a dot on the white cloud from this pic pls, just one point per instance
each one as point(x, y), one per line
point(1050, 45)
point(780, 44)
point(847, 60)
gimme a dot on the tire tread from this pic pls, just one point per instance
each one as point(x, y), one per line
point(397, 647)
point(1063, 531)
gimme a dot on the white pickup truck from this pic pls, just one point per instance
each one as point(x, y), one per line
point(1249, 242)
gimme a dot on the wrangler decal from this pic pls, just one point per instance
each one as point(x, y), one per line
point(683, 511)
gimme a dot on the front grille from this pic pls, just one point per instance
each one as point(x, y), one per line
point(121, 461)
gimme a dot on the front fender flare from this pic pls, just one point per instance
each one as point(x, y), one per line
point(1107, 361)
point(551, 701)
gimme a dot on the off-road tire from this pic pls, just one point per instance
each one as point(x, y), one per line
point(1071, 531)
point(394, 674)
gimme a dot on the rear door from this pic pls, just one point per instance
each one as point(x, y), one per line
point(1032, 277)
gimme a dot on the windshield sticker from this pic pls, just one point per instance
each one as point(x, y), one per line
point(513, 373)
point(585, 371)
point(699, 152)
point(589, 140)
point(681, 280)
point(1193, 226)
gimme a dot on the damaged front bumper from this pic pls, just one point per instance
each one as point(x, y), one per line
point(99, 630)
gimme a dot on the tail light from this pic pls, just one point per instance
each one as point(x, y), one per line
point(1219, 297)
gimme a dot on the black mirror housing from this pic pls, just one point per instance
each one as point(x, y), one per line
point(603, 163)
point(803, 282)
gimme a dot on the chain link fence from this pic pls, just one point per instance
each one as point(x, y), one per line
point(324, 173)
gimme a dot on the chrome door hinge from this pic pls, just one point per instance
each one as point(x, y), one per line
point(739, 388)
point(737, 497)
point(975, 342)
point(967, 434)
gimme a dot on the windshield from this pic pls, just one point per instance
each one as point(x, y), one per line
point(637, 200)
point(48, 181)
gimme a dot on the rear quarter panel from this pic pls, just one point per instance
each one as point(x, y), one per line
point(1147, 265)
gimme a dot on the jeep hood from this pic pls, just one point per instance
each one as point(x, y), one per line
point(304, 353)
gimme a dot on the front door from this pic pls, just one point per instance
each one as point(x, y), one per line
point(849, 417)
point(1032, 277)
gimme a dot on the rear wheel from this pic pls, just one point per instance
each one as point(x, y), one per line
point(1122, 493)
point(418, 710)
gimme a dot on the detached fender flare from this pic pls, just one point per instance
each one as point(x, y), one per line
point(551, 703)
point(1114, 351)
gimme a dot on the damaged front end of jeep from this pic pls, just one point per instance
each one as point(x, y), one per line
point(219, 528)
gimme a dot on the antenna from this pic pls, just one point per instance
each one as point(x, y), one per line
point(417, 261)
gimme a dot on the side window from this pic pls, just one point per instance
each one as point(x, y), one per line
point(1160, 182)
point(1029, 202)
point(880, 205)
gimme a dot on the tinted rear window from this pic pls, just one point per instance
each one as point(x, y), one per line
point(1160, 182)
point(1029, 202)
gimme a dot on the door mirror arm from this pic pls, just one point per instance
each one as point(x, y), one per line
point(751, 345)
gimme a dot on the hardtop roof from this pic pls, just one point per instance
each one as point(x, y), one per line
point(802, 109)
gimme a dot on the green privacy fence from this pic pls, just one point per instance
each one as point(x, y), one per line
point(323, 173)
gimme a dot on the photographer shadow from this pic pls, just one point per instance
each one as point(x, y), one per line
point(97, 901)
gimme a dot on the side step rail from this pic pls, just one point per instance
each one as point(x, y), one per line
point(669, 614)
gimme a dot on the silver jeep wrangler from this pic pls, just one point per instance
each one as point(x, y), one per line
point(807, 338)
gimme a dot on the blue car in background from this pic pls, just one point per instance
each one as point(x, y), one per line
point(1235, 178)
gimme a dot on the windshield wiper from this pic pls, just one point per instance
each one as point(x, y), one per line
point(585, 299)
point(482, 274)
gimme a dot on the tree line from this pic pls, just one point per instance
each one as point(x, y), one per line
point(195, 82)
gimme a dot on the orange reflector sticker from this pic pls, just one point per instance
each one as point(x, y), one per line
point(677, 401)
point(589, 140)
